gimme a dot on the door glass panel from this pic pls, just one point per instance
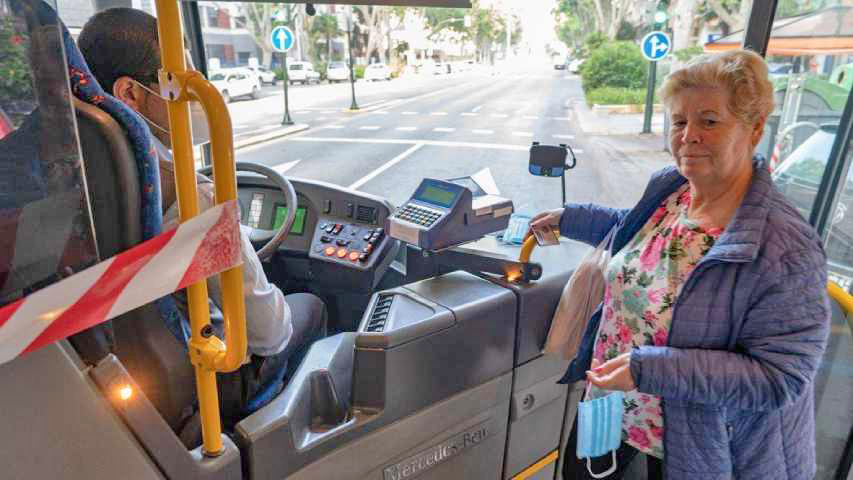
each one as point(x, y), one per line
point(45, 225)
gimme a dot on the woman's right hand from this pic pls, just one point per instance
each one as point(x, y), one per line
point(548, 218)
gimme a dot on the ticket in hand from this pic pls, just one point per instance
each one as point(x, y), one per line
point(546, 236)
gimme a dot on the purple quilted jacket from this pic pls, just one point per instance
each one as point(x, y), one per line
point(748, 332)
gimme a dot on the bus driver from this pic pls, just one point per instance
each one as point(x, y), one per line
point(121, 48)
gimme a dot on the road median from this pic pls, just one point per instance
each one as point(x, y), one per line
point(249, 140)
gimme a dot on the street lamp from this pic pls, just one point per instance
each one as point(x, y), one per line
point(353, 105)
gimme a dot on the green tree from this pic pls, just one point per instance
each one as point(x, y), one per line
point(15, 79)
point(615, 64)
point(326, 27)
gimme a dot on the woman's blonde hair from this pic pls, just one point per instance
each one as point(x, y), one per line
point(742, 73)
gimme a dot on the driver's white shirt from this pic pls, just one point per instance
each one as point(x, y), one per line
point(268, 321)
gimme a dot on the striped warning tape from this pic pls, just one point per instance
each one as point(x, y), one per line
point(203, 246)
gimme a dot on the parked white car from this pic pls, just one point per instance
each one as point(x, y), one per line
point(575, 65)
point(337, 72)
point(265, 76)
point(377, 71)
point(302, 72)
point(233, 83)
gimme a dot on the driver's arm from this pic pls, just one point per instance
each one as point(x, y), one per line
point(268, 322)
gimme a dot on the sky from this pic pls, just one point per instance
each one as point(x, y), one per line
point(537, 22)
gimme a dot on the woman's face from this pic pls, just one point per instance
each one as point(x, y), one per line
point(709, 143)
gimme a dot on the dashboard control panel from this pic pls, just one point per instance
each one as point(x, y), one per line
point(350, 244)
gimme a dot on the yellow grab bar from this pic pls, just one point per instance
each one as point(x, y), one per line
point(208, 353)
point(527, 249)
point(844, 299)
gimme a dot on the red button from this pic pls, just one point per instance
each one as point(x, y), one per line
point(342, 252)
point(329, 251)
point(353, 256)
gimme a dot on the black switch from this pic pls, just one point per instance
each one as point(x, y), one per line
point(342, 242)
point(327, 206)
point(325, 239)
point(350, 210)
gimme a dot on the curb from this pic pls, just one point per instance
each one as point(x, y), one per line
point(283, 132)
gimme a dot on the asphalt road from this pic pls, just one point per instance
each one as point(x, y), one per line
point(442, 127)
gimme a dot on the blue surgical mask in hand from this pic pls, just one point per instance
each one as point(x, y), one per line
point(600, 429)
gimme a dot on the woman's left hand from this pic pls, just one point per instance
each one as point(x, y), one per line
point(614, 374)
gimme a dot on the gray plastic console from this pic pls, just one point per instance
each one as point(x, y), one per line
point(443, 338)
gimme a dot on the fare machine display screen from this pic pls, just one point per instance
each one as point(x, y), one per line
point(442, 214)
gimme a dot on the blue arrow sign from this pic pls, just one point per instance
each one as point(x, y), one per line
point(281, 39)
point(655, 46)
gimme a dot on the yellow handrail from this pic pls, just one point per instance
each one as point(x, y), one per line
point(844, 299)
point(208, 353)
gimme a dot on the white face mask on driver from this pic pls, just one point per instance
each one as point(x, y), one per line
point(198, 120)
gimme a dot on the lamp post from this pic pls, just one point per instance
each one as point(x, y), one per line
point(286, 120)
point(353, 105)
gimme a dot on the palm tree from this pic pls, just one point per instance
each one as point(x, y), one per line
point(326, 26)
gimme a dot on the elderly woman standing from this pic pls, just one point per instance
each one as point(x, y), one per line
point(715, 315)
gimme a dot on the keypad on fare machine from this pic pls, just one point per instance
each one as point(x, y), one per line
point(418, 215)
point(348, 242)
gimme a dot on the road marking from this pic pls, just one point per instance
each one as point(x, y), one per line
point(438, 113)
point(481, 131)
point(380, 112)
point(361, 181)
point(577, 150)
point(401, 141)
point(469, 114)
point(499, 115)
point(328, 112)
point(333, 127)
point(566, 119)
point(443, 129)
point(410, 113)
point(566, 137)
point(522, 134)
point(283, 167)
point(531, 117)
point(322, 119)
point(476, 109)
point(406, 129)
point(370, 127)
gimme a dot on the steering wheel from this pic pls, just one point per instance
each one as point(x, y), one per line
point(273, 238)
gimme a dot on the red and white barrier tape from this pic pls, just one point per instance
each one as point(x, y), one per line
point(205, 245)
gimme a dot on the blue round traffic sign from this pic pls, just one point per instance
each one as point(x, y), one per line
point(281, 39)
point(655, 46)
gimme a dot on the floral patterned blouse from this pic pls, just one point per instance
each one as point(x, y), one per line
point(643, 281)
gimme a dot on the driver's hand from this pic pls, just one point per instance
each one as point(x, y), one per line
point(548, 218)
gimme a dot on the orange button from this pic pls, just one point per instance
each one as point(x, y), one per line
point(342, 252)
point(329, 251)
point(353, 256)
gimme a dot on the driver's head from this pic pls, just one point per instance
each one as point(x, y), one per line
point(122, 50)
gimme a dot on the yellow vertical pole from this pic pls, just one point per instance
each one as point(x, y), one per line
point(172, 55)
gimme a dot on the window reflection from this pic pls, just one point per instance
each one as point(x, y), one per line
point(45, 224)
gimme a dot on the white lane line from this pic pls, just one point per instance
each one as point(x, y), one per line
point(410, 113)
point(361, 181)
point(332, 127)
point(531, 117)
point(283, 167)
point(565, 137)
point(469, 114)
point(379, 112)
point(499, 115)
point(565, 119)
point(522, 134)
point(577, 150)
point(438, 113)
point(476, 109)
point(301, 112)
point(370, 127)
point(406, 129)
point(402, 141)
point(443, 129)
point(328, 112)
point(481, 131)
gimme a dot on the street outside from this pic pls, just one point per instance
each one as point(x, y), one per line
point(447, 126)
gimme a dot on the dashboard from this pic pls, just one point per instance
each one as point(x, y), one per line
point(339, 231)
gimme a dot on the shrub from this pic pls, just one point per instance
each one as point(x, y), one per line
point(359, 71)
point(617, 96)
point(616, 64)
